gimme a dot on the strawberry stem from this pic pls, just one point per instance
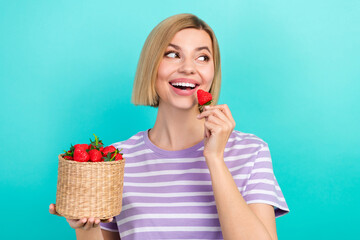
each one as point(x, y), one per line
point(96, 139)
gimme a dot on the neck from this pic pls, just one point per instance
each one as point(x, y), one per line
point(177, 129)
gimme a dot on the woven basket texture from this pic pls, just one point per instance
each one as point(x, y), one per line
point(89, 189)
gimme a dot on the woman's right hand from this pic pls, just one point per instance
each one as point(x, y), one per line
point(83, 223)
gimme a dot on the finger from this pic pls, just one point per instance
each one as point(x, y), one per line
point(77, 223)
point(217, 112)
point(224, 108)
point(211, 126)
point(89, 224)
point(107, 220)
point(215, 119)
point(52, 209)
point(96, 222)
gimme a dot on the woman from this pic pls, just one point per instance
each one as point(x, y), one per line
point(191, 176)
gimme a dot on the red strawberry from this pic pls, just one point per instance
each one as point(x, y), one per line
point(204, 98)
point(81, 155)
point(81, 146)
point(95, 155)
point(118, 156)
point(108, 149)
point(68, 157)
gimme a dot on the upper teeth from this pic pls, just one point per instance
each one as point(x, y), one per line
point(183, 84)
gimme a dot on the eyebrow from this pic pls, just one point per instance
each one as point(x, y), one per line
point(197, 49)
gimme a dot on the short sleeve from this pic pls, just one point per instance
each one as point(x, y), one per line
point(262, 186)
point(111, 226)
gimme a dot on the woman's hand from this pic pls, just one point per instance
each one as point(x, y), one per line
point(218, 126)
point(83, 223)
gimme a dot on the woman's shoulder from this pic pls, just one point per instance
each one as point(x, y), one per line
point(238, 137)
point(135, 140)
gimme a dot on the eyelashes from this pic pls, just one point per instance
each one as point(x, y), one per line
point(174, 54)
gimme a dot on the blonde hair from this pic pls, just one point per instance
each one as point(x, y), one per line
point(144, 92)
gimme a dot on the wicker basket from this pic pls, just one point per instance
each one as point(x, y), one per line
point(89, 189)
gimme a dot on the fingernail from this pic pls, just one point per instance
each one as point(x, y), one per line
point(207, 107)
point(198, 116)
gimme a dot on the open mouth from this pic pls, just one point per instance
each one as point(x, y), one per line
point(184, 86)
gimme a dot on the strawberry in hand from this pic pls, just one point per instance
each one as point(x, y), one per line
point(204, 98)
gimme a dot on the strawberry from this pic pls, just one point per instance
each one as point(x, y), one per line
point(108, 149)
point(204, 98)
point(118, 157)
point(81, 146)
point(95, 155)
point(68, 157)
point(81, 155)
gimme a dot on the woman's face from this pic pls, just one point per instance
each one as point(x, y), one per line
point(187, 65)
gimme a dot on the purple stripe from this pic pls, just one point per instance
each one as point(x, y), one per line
point(261, 186)
point(262, 175)
point(111, 225)
point(168, 166)
point(169, 177)
point(174, 235)
point(172, 223)
point(137, 199)
point(266, 197)
point(171, 189)
point(170, 210)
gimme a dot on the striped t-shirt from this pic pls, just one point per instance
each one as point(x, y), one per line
point(168, 194)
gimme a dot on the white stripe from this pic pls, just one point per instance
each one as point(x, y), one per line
point(241, 176)
point(262, 170)
point(127, 146)
point(186, 160)
point(168, 216)
point(165, 172)
point(265, 192)
point(136, 137)
point(170, 229)
point(180, 204)
point(166, 184)
point(166, 195)
point(263, 159)
point(242, 156)
point(109, 229)
point(166, 160)
point(138, 153)
point(248, 164)
point(172, 172)
point(264, 181)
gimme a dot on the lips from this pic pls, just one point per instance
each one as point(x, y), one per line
point(184, 91)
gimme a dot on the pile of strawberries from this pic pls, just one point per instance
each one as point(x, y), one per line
point(93, 152)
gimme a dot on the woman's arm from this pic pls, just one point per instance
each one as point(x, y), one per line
point(96, 234)
point(238, 219)
point(110, 235)
point(91, 234)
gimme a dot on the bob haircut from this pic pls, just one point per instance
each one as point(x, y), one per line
point(144, 92)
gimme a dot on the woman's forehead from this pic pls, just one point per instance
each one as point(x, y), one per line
point(192, 38)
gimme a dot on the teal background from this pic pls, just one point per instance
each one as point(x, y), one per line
point(290, 76)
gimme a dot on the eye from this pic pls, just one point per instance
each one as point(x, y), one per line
point(172, 54)
point(204, 58)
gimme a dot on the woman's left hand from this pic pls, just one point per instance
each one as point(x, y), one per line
point(219, 125)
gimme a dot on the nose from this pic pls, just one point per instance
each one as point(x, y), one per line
point(187, 66)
